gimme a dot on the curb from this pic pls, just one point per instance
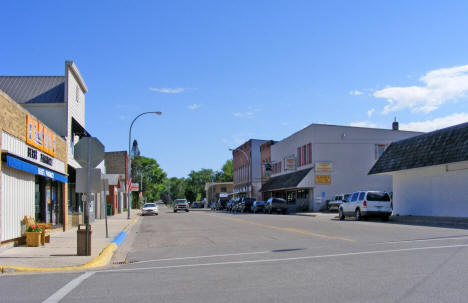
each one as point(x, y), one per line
point(101, 260)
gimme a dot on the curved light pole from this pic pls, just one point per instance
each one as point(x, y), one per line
point(130, 159)
point(249, 179)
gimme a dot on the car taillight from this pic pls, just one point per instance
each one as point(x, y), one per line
point(364, 203)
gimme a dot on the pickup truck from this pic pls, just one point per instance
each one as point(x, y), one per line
point(335, 204)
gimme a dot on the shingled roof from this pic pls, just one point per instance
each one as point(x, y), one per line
point(291, 180)
point(34, 89)
point(442, 146)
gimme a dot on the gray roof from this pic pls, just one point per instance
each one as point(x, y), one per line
point(442, 146)
point(34, 89)
point(291, 180)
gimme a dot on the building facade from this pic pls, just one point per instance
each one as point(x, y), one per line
point(320, 161)
point(33, 171)
point(429, 172)
point(214, 189)
point(59, 102)
point(246, 165)
point(117, 167)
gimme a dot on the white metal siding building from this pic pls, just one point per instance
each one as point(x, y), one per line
point(345, 155)
point(430, 173)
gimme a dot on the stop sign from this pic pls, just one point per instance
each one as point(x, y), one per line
point(89, 152)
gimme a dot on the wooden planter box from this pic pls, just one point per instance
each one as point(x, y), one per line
point(33, 238)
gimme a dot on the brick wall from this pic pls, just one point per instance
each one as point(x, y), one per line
point(13, 122)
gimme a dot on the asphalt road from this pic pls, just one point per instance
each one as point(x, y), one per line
point(202, 256)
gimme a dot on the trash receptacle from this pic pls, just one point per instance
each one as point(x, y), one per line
point(81, 241)
point(109, 209)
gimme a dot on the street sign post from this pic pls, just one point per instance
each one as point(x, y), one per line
point(88, 152)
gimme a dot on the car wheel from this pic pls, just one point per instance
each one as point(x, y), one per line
point(341, 215)
point(186, 210)
point(357, 214)
point(175, 210)
point(385, 218)
point(156, 214)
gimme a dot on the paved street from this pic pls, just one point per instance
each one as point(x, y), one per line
point(202, 256)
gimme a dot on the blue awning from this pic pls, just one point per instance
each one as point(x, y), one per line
point(34, 169)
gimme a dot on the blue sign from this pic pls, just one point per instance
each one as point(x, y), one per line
point(34, 169)
point(323, 194)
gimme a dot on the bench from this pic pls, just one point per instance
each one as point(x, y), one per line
point(45, 227)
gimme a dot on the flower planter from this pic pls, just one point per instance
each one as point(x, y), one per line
point(33, 238)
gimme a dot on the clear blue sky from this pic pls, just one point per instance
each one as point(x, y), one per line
point(222, 73)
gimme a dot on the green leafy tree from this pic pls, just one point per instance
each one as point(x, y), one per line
point(148, 170)
point(226, 175)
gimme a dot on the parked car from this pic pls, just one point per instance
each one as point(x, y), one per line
point(197, 204)
point(221, 204)
point(258, 206)
point(181, 204)
point(236, 205)
point(229, 205)
point(213, 206)
point(149, 209)
point(246, 205)
point(276, 204)
point(364, 204)
point(335, 204)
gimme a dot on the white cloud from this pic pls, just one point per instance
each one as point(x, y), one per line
point(355, 92)
point(363, 124)
point(370, 112)
point(440, 86)
point(167, 90)
point(438, 123)
point(248, 114)
point(194, 106)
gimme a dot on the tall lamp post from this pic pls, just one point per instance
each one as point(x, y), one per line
point(249, 179)
point(130, 159)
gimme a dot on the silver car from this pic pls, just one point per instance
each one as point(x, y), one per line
point(149, 209)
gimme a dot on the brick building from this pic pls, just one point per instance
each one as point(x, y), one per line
point(117, 169)
point(33, 171)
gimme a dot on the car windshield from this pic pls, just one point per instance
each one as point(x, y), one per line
point(179, 201)
point(149, 205)
point(378, 196)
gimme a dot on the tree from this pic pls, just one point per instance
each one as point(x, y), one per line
point(153, 177)
point(227, 171)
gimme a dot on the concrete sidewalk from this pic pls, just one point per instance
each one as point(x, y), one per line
point(61, 251)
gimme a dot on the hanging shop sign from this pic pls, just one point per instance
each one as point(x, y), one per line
point(323, 167)
point(290, 162)
point(39, 136)
point(322, 180)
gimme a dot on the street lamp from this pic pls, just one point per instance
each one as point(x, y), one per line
point(130, 159)
point(249, 179)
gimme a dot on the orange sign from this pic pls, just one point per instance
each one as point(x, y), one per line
point(39, 136)
point(322, 180)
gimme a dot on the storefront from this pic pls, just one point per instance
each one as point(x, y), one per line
point(33, 173)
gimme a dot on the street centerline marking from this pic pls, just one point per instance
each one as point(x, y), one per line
point(288, 229)
point(284, 259)
point(202, 257)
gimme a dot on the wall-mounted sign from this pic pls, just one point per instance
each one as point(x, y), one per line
point(322, 179)
point(39, 136)
point(323, 167)
point(290, 162)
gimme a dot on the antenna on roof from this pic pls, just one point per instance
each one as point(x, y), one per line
point(395, 125)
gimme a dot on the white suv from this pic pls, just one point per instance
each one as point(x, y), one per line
point(363, 204)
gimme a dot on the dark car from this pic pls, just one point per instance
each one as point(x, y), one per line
point(229, 205)
point(221, 204)
point(258, 206)
point(246, 205)
point(278, 205)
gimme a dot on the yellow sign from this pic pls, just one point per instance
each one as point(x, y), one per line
point(322, 180)
point(39, 136)
point(323, 167)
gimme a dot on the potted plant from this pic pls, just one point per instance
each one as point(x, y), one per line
point(33, 235)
